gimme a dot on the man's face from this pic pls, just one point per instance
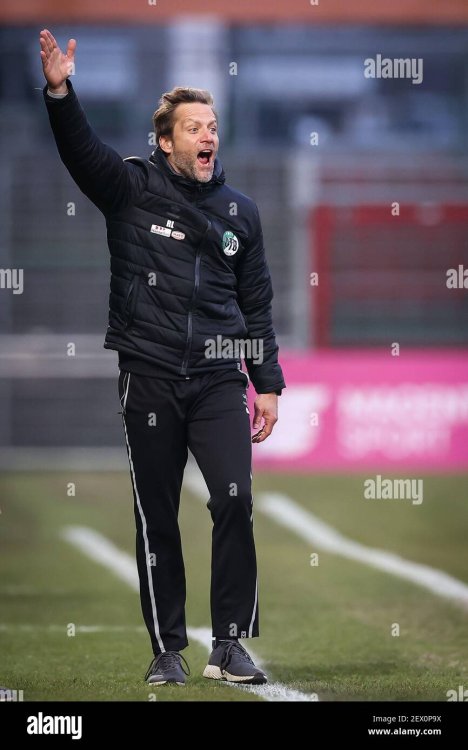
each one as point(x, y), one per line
point(192, 148)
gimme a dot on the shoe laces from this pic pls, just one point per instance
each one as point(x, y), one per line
point(239, 650)
point(168, 660)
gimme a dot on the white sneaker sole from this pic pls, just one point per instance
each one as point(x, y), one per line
point(165, 682)
point(214, 673)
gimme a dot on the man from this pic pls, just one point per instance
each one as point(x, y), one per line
point(189, 281)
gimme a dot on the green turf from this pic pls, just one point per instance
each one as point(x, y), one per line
point(324, 629)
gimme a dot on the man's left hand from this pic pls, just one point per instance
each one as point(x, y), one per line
point(266, 406)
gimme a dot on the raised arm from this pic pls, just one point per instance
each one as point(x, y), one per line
point(98, 170)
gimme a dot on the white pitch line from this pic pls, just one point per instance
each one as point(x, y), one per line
point(29, 627)
point(314, 531)
point(103, 551)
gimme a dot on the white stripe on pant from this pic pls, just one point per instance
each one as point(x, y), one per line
point(143, 523)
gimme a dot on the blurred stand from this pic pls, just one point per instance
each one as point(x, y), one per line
point(323, 150)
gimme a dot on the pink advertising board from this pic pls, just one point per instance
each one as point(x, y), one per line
point(358, 410)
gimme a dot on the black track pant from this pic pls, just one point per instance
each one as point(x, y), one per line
point(208, 414)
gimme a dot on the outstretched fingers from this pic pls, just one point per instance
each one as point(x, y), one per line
point(45, 54)
point(52, 44)
point(71, 47)
point(47, 43)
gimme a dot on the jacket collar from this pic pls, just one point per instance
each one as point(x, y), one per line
point(159, 159)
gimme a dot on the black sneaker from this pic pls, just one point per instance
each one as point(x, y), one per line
point(167, 668)
point(230, 661)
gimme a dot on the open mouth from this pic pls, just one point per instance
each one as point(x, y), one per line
point(204, 157)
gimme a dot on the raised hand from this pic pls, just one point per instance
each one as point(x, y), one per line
point(56, 65)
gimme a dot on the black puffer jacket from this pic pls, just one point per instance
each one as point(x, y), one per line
point(187, 258)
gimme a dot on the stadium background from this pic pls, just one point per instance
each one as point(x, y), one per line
point(374, 353)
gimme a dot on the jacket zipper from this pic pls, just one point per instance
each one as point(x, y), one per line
point(240, 315)
point(188, 342)
point(131, 301)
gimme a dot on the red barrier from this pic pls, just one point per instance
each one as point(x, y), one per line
point(373, 264)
